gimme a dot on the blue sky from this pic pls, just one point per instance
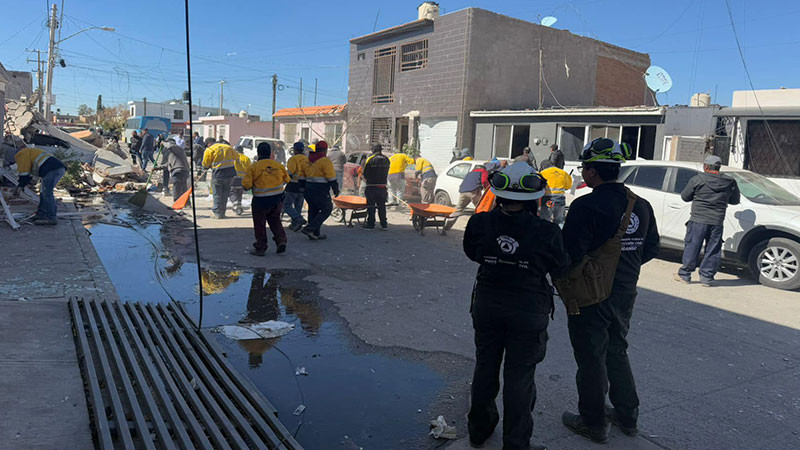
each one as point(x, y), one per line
point(243, 42)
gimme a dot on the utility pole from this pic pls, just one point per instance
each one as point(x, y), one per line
point(51, 60)
point(144, 112)
point(300, 93)
point(39, 76)
point(540, 74)
point(315, 92)
point(220, 96)
point(274, 94)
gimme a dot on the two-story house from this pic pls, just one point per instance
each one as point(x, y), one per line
point(416, 83)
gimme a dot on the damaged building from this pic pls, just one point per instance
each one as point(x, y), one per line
point(416, 83)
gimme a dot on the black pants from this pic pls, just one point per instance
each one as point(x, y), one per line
point(376, 199)
point(599, 343)
point(319, 206)
point(522, 338)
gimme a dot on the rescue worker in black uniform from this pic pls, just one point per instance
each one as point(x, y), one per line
point(599, 333)
point(511, 303)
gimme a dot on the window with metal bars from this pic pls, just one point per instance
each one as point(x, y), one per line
point(381, 132)
point(289, 132)
point(383, 75)
point(333, 131)
point(414, 55)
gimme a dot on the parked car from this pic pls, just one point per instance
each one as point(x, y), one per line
point(350, 175)
point(250, 146)
point(448, 182)
point(761, 233)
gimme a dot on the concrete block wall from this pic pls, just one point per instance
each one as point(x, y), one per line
point(435, 91)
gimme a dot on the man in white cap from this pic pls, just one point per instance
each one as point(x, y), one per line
point(710, 193)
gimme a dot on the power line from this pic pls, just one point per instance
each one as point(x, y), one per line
point(771, 135)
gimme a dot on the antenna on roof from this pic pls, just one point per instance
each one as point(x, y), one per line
point(657, 79)
point(548, 21)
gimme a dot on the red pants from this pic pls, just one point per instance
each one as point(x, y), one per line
point(267, 210)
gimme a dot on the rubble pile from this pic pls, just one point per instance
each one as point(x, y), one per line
point(98, 166)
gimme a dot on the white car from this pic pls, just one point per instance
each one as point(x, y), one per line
point(762, 232)
point(448, 182)
point(250, 146)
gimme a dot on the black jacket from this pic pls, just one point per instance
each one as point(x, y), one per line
point(594, 218)
point(136, 143)
point(710, 194)
point(376, 169)
point(515, 253)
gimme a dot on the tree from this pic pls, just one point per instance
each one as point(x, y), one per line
point(84, 110)
point(99, 103)
point(113, 118)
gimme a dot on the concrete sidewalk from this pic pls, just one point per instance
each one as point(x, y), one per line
point(42, 400)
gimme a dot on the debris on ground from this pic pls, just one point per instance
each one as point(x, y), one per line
point(441, 430)
point(260, 330)
point(300, 371)
point(89, 136)
point(299, 410)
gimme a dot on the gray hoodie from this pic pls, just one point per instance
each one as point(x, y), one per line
point(176, 158)
point(710, 194)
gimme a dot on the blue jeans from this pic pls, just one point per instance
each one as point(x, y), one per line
point(553, 213)
point(696, 234)
point(293, 205)
point(47, 201)
point(145, 158)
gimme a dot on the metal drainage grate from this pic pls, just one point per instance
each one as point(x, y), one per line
point(154, 381)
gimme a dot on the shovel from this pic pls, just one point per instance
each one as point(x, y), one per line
point(140, 197)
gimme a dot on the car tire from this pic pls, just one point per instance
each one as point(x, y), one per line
point(775, 263)
point(442, 198)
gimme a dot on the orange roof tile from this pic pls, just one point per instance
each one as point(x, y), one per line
point(310, 111)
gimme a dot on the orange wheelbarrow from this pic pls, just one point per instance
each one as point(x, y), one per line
point(430, 214)
point(353, 203)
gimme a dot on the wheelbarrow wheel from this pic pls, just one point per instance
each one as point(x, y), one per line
point(416, 221)
point(338, 215)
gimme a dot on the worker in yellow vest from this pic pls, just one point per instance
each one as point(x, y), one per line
point(554, 202)
point(397, 176)
point(427, 175)
point(320, 179)
point(221, 158)
point(241, 165)
point(33, 162)
point(267, 178)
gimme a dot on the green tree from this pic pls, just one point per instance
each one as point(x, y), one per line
point(84, 110)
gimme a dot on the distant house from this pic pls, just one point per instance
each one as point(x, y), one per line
point(308, 123)
point(416, 83)
point(174, 110)
point(231, 128)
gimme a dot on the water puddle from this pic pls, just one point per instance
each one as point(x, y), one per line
point(356, 396)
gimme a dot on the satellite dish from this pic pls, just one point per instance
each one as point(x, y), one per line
point(548, 21)
point(657, 79)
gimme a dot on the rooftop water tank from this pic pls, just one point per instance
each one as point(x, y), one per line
point(428, 10)
point(700, 100)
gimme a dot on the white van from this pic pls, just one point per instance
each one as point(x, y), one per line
point(250, 146)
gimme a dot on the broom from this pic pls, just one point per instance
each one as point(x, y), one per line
point(140, 197)
point(181, 202)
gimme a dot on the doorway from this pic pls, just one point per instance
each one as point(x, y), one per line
point(401, 131)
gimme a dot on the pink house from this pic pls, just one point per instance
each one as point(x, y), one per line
point(231, 128)
point(311, 123)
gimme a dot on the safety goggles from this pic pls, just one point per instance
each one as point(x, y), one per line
point(529, 182)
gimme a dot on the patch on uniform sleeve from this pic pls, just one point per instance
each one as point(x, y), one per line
point(508, 245)
point(633, 225)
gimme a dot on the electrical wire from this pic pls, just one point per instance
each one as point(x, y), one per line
point(193, 154)
point(771, 135)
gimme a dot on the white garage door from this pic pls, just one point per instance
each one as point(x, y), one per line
point(437, 137)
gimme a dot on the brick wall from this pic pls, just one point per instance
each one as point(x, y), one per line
point(618, 83)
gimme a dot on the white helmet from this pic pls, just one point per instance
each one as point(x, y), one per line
point(605, 150)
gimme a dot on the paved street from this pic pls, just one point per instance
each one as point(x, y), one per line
point(716, 367)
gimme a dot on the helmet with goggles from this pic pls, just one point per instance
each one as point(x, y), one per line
point(605, 150)
point(519, 181)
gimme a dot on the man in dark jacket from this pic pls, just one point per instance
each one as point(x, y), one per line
point(375, 173)
point(556, 156)
point(471, 189)
point(599, 332)
point(147, 149)
point(135, 145)
point(177, 168)
point(511, 303)
point(710, 193)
